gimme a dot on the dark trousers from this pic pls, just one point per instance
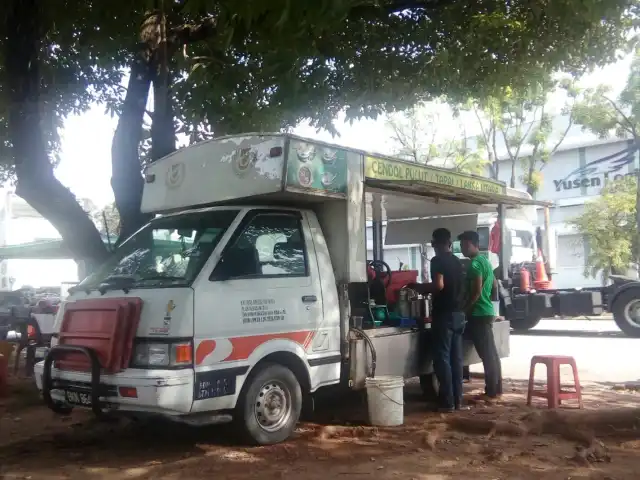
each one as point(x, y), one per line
point(446, 332)
point(480, 331)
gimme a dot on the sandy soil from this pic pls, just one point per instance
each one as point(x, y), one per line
point(506, 441)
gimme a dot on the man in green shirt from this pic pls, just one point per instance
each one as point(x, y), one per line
point(480, 312)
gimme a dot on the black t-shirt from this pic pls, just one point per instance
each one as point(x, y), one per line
point(449, 298)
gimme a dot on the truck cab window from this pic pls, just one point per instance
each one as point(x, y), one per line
point(270, 245)
point(168, 252)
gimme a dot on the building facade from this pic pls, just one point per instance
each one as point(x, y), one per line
point(572, 177)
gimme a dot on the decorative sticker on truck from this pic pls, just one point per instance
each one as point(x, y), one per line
point(210, 351)
point(316, 167)
point(382, 169)
point(166, 321)
point(175, 175)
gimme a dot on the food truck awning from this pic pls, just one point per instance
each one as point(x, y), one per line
point(450, 194)
point(403, 200)
point(409, 190)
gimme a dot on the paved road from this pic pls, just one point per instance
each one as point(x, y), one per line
point(602, 352)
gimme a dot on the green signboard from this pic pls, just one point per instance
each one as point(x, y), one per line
point(315, 167)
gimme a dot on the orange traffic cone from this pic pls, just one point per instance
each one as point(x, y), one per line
point(542, 281)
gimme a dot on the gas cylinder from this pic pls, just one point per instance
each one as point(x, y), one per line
point(525, 280)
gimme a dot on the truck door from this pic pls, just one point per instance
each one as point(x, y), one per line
point(263, 296)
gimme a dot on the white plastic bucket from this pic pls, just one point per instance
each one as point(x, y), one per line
point(385, 400)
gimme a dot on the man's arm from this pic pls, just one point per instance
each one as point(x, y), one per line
point(475, 280)
point(437, 280)
point(495, 293)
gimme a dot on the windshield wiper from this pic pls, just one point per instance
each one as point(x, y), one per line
point(114, 282)
point(161, 277)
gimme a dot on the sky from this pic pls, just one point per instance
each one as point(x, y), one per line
point(85, 165)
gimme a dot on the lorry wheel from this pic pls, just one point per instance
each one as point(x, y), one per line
point(626, 311)
point(269, 406)
point(430, 387)
point(520, 324)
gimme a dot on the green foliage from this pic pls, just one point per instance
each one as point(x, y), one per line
point(84, 51)
point(519, 117)
point(417, 136)
point(603, 115)
point(269, 64)
point(414, 132)
point(258, 65)
point(106, 220)
point(609, 225)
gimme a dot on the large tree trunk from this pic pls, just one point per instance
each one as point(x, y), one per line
point(126, 176)
point(163, 136)
point(36, 182)
point(151, 67)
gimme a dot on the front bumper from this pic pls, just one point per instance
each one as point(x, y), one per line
point(165, 392)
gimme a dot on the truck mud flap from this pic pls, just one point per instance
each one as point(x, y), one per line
point(47, 381)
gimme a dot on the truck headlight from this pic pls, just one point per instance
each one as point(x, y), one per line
point(162, 355)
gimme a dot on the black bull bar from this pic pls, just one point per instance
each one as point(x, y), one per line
point(47, 381)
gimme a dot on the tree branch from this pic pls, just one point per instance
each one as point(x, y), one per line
point(632, 128)
point(193, 33)
point(563, 136)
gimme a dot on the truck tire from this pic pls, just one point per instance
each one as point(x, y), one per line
point(527, 323)
point(269, 406)
point(626, 311)
point(430, 387)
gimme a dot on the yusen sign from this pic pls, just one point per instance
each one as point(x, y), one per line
point(382, 169)
point(598, 172)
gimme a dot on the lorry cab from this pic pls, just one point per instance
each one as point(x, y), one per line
point(249, 290)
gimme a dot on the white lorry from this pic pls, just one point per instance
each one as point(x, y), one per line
point(249, 290)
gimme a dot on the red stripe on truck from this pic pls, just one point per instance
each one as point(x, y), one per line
point(243, 347)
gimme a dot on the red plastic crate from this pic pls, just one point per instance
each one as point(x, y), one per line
point(106, 325)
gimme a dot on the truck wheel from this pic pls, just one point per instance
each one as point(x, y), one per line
point(521, 324)
point(430, 387)
point(626, 311)
point(269, 406)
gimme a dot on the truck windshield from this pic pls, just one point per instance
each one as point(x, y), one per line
point(168, 252)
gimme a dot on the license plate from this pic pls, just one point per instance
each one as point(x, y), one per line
point(78, 398)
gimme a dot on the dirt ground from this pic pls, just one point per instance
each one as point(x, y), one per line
point(506, 441)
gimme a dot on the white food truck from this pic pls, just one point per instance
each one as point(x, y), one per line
point(250, 290)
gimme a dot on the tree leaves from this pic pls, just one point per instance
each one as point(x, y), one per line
point(416, 134)
point(519, 116)
point(609, 225)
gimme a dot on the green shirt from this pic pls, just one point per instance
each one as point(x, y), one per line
point(480, 267)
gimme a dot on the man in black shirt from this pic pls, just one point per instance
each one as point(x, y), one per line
point(448, 320)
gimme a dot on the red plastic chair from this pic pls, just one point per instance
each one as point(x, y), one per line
point(554, 393)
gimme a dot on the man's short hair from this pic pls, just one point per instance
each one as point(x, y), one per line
point(441, 236)
point(470, 236)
